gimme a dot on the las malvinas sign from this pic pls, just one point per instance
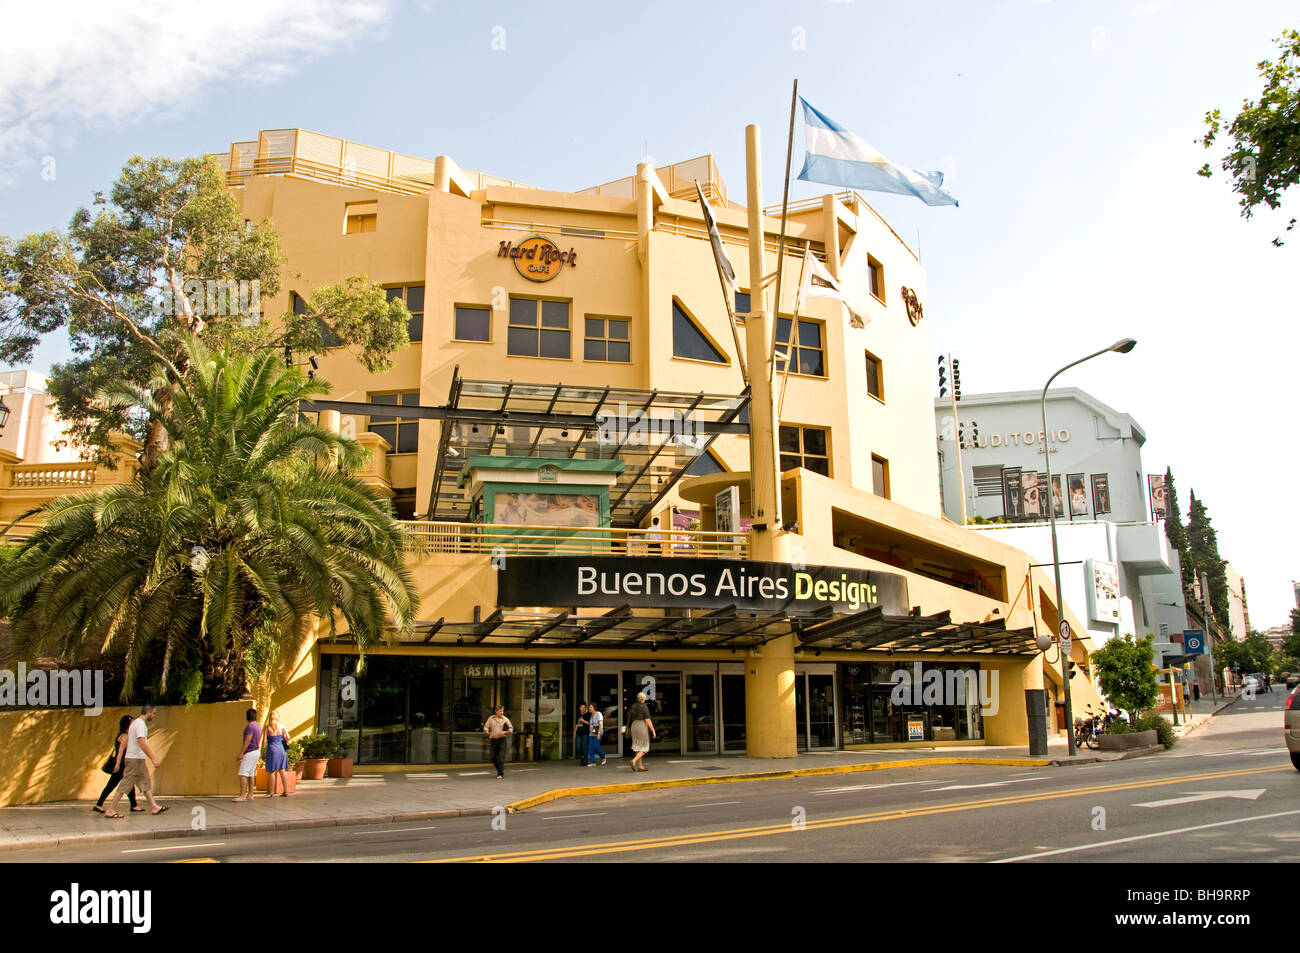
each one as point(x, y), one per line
point(675, 583)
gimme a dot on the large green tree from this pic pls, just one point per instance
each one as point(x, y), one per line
point(164, 256)
point(1254, 654)
point(1203, 551)
point(251, 525)
point(1263, 160)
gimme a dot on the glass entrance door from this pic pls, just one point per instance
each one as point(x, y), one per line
point(701, 728)
point(663, 692)
point(603, 692)
point(814, 709)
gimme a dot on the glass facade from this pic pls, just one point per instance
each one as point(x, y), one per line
point(885, 702)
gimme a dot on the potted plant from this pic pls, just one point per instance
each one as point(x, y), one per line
point(316, 752)
point(291, 777)
point(293, 752)
point(339, 764)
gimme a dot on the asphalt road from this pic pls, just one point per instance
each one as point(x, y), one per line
point(1226, 793)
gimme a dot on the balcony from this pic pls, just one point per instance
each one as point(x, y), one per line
point(429, 538)
point(1144, 548)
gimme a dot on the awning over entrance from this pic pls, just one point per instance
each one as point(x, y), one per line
point(727, 628)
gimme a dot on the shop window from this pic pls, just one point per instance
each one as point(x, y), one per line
point(705, 464)
point(690, 342)
point(472, 324)
point(538, 328)
point(360, 217)
point(880, 476)
point(876, 278)
point(413, 297)
point(875, 377)
point(606, 339)
point(807, 447)
point(808, 356)
point(402, 433)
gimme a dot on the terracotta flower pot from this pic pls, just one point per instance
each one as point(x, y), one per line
point(313, 769)
point(290, 779)
point(339, 768)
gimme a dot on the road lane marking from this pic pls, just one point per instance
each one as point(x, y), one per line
point(1249, 795)
point(867, 787)
point(714, 803)
point(1128, 840)
point(400, 830)
point(146, 850)
point(562, 817)
point(990, 784)
point(679, 840)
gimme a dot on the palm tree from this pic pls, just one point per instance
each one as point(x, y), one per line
point(251, 524)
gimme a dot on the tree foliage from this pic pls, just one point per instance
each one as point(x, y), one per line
point(1175, 532)
point(251, 524)
point(1203, 553)
point(1253, 654)
point(1263, 160)
point(1123, 669)
point(164, 256)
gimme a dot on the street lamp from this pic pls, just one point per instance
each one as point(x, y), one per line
point(4, 413)
point(1122, 346)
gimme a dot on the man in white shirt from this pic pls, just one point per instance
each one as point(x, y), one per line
point(135, 772)
point(498, 729)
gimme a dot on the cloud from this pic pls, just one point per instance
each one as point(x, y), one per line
point(85, 64)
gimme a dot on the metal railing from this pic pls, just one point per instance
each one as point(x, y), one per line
point(433, 538)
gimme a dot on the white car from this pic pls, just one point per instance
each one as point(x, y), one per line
point(1250, 685)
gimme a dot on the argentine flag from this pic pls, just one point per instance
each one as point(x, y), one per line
point(835, 156)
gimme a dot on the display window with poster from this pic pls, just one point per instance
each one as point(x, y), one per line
point(1100, 493)
point(1013, 504)
point(1078, 494)
point(1058, 498)
point(1156, 492)
point(1029, 495)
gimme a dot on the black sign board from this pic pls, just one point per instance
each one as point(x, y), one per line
point(679, 583)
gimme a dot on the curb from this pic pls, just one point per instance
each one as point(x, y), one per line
point(556, 793)
point(257, 827)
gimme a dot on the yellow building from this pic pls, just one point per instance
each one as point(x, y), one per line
point(569, 437)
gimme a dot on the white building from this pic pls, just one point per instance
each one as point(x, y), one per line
point(1117, 568)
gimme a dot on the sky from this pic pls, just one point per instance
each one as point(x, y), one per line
point(1066, 130)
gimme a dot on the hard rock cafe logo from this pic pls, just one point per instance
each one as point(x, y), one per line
point(914, 311)
point(537, 258)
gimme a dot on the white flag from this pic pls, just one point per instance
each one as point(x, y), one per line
point(819, 283)
point(719, 254)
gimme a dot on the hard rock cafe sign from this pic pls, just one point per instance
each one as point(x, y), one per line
point(914, 311)
point(537, 258)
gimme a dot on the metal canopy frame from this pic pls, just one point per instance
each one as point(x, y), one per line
point(557, 422)
point(870, 630)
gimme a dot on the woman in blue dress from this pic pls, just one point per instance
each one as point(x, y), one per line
point(277, 759)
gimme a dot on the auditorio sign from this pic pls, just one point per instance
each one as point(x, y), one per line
point(679, 583)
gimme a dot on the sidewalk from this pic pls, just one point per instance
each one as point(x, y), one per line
point(424, 793)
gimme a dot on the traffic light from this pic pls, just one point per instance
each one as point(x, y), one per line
point(943, 380)
point(956, 379)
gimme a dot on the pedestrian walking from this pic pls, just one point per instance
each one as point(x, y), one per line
point(581, 731)
point(249, 752)
point(597, 720)
point(498, 729)
point(131, 763)
point(642, 729)
point(277, 755)
point(114, 767)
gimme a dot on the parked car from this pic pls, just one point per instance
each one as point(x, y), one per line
point(1292, 681)
point(1252, 685)
point(1291, 726)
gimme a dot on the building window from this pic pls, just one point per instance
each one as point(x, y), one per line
point(880, 476)
point(689, 341)
point(807, 447)
point(413, 297)
point(875, 377)
point(360, 217)
point(472, 324)
point(742, 305)
point(402, 433)
point(328, 337)
point(808, 355)
point(704, 465)
point(538, 328)
point(876, 278)
point(607, 340)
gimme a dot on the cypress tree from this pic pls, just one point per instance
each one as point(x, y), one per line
point(1175, 532)
point(1203, 549)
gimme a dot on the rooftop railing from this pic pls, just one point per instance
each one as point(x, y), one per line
point(434, 538)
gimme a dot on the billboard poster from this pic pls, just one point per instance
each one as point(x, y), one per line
point(546, 509)
point(1156, 490)
point(1058, 498)
point(1078, 494)
point(1100, 493)
point(726, 510)
point(1103, 593)
point(1013, 505)
point(1029, 495)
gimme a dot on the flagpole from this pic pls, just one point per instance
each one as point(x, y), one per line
point(794, 324)
point(780, 247)
point(727, 297)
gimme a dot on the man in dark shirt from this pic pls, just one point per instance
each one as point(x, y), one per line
point(580, 732)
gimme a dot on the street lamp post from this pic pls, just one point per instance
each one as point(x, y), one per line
point(1122, 346)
